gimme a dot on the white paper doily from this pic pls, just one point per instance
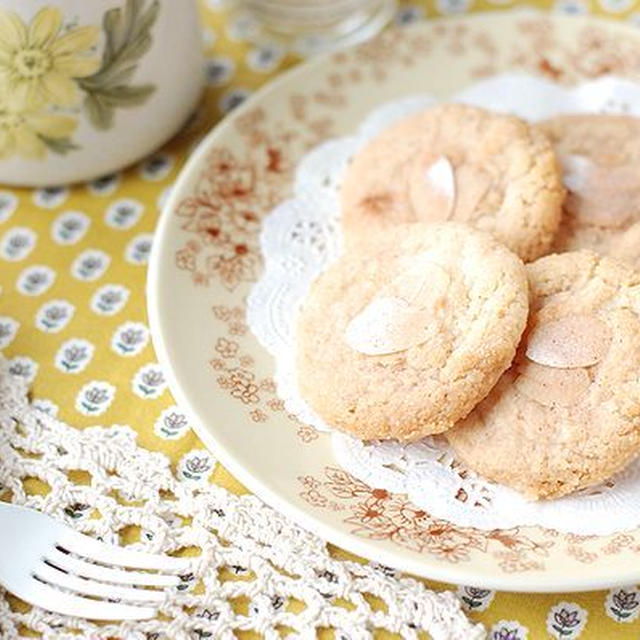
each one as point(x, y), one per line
point(302, 236)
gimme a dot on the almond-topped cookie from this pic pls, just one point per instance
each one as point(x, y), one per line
point(600, 155)
point(458, 163)
point(566, 415)
point(403, 337)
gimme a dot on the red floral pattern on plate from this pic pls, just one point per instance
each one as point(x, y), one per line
point(377, 514)
point(235, 373)
point(222, 215)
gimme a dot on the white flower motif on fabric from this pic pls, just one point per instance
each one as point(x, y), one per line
point(453, 6)
point(109, 299)
point(149, 382)
point(265, 57)
point(78, 511)
point(172, 424)
point(181, 511)
point(218, 70)
point(8, 330)
point(265, 605)
point(508, 630)
point(123, 214)
point(623, 604)
point(139, 249)
point(53, 316)
point(35, 280)
point(95, 398)
point(23, 367)
point(571, 7)
point(74, 355)
point(157, 167)
point(17, 243)
point(90, 265)
point(46, 406)
point(233, 98)
point(301, 237)
point(130, 338)
point(196, 466)
point(50, 197)
point(70, 227)
point(566, 620)
point(8, 204)
point(408, 15)
point(105, 185)
point(475, 598)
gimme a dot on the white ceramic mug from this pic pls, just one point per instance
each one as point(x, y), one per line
point(90, 86)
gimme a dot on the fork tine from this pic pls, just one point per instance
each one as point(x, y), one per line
point(42, 595)
point(92, 588)
point(105, 574)
point(99, 551)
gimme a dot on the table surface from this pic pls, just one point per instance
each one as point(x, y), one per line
point(95, 321)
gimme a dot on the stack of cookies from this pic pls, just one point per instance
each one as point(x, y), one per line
point(487, 292)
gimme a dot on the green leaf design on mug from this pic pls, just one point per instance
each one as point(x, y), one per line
point(61, 146)
point(128, 37)
point(39, 102)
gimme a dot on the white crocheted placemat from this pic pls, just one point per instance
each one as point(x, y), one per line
point(272, 560)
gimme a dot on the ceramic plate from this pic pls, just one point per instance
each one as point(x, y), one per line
point(206, 258)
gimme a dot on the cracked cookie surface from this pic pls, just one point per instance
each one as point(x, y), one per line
point(404, 336)
point(458, 163)
point(566, 415)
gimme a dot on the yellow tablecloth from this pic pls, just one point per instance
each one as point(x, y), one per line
point(88, 323)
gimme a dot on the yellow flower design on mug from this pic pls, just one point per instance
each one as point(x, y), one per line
point(39, 61)
point(51, 73)
point(30, 133)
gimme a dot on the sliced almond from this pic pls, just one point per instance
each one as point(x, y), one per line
point(386, 325)
point(571, 342)
point(432, 187)
point(402, 315)
point(576, 172)
point(473, 182)
point(441, 178)
point(601, 196)
point(550, 386)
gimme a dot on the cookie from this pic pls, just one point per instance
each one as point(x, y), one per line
point(403, 337)
point(600, 155)
point(459, 163)
point(566, 415)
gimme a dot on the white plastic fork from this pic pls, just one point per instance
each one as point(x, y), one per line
point(48, 564)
